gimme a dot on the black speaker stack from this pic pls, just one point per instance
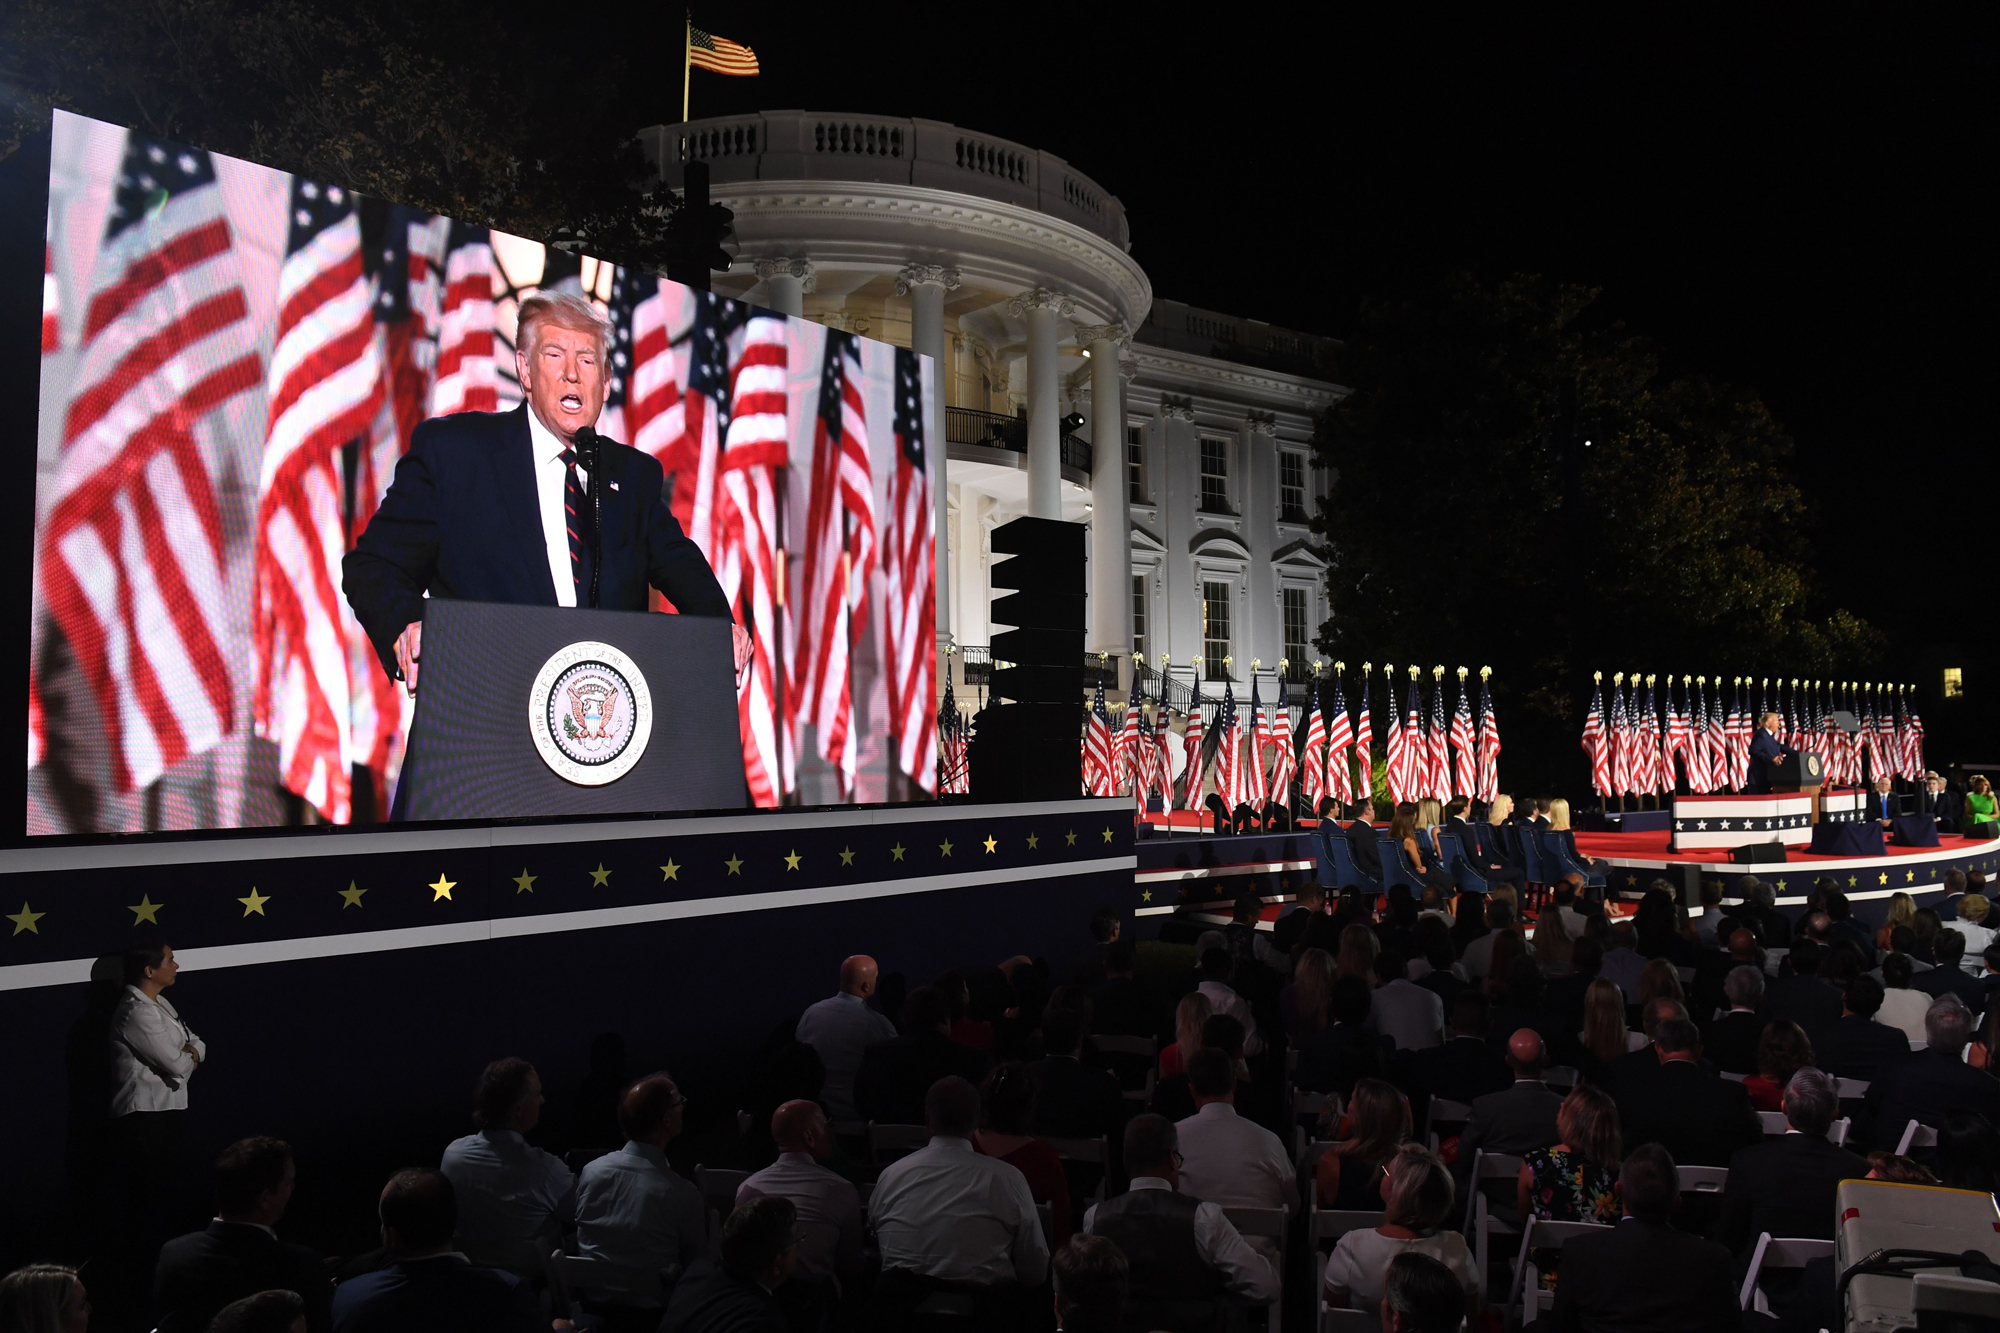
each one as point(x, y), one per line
point(1028, 748)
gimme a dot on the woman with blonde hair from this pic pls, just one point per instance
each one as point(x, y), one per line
point(1417, 1195)
point(1605, 1034)
point(1498, 809)
point(1577, 1180)
point(1554, 945)
point(1559, 815)
point(1660, 979)
point(1378, 1123)
point(43, 1298)
point(1902, 912)
point(1312, 988)
point(1971, 923)
point(1358, 947)
point(1193, 1010)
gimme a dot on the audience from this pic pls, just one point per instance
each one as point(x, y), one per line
point(1521, 1118)
point(1092, 1281)
point(826, 1206)
point(275, 1311)
point(841, 1028)
point(1968, 1153)
point(427, 1286)
point(1971, 924)
point(1622, 961)
point(1782, 1050)
point(1072, 1099)
point(1576, 1180)
point(1227, 1159)
point(1409, 1015)
point(1948, 977)
point(1349, 1175)
point(733, 1291)
point(1347, 1049)
point(896, 1075)
point(1464, 1068)
point(1477, 959)
point(1730, 1039)
point(1416, 1199)
point(239, 1254)
point(1217, 967)
point(1932, 1083)
point(1798, 994)
point(1119, 1006)
point(1185, 1261)
point(1604, 1037)
point(44, 1298)
point(511, 1198)
point(632, 1210)
point(1644, 1274)
point(1856, 1046)
point(1698, 1116)
point(1006, 1110)
point(1421, 1296)
point(949, 1218)
point(1786, 1185)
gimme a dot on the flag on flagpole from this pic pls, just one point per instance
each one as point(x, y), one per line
point(1465, 771)
point(1229, 777)
point(1312, 756)
point(1098, 776)
point(1416, 750)
point(1393, 739)
point(1596, 747)
point(952, 778)
point(1339, 740)
point(1286, 762)
point(1718, 745)
point(719, 55)
point(1364, 740)
point(1440, 770)
point(1621, 742)
point(1489, 745)
point(1260, 738)
point(1128, 756)
point(1191, 765)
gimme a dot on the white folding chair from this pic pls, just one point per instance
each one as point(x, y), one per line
point(1704, 1179)
point(1095, 1151)
point(1441, 1111)
point(1144, 1047)
point(1733, 1078)
point(1270, 1224)
point(1046, 1215)
point(1484, 1226)
point(1915, 1135)
point(1778, 1253)
point(1338, 1319)
point(717, 1188)
point(1542, 1235)
point(1774, 961)
point(1837, 1135)
point(1852, 1088)
point(1774, 1122)
point(1319, 1105)
point(888, 1142)
point(1330, 1224)
point(1561, 1076)
point(570, 1274)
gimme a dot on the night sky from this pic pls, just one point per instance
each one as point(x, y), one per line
point(1797, 202)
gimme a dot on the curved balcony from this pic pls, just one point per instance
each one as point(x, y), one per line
point(992, 437)
point(821, 146)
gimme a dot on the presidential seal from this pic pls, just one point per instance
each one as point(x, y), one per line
point(590, 713)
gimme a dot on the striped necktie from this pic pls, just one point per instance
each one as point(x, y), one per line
point(576, 519)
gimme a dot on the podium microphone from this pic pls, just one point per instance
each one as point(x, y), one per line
point(586, 443)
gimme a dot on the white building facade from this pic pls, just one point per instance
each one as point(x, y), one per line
point(1180, 436)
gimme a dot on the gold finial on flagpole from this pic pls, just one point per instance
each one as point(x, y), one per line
point(1415, 671)
point(1739, 680)
point(1338, 667)
point(1256, 665)
point(1484, 672)
point(1462, 674)
point(1597, 676)
point(1686, 681)
point(1437, 674)
point(1767, 683)
point(1650, 678)
point(1617, 678)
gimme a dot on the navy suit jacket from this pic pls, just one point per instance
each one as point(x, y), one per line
point(1765, 750)
point(462, 520)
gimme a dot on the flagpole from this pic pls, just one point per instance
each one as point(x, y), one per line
point(687, 62)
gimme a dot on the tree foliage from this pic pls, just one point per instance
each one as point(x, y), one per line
point(471, 110)
point(1517, 488)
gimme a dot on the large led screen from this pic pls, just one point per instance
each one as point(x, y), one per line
point(233, 361)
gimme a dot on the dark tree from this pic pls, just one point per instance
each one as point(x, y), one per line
point(1517, 488)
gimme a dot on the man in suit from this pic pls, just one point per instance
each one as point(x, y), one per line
point(1932, 1083)
point(1522, 1118)
point(1073, 1100)
point(1119, 1006)
point(238, 1254)
point(1759, 908)
point(1730, 1040)
point(1882, 803)
point(1855, 1045)
point(1361, 842)
point(429, 1288)
point(1786, 1185)
point(1465, 1068)
point(1696, 1114)
point(1942, 802)
point(1766, 750)
point(896, 1074)
point(1801, 996)
point(1475, 844)
point(1947, 977)
point(1308, 901)
point(494, 507)
point(1643, 1274)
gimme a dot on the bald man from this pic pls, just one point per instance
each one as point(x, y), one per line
point(829, 1209)
point(1523, 1117)
point(841, 1028)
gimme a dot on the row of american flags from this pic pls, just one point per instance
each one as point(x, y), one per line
point(1329, 753)
point(168, 370)
point(1634, 747)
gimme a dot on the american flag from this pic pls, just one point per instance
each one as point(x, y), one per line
point(719, 54)
point(1699, 767)
point(1364, 740)
point(1595, 743)
point(1439, 768)
point(1191, 765)
point(1887, 743)
point(1677, 732)
point(839, 552)
point(51, 303)
point(1650, 743)
point(131, 565)
point(468, 366)
point(1621, 742)
point(1913, 748)
point(325, 388)
point(1733, 735)
point(1396, 773)
point(1229, 776)
point(1156, 732)
point(909, 563)
point(1262, 736)
point(952, 779)
point(1488, 789)
point(642, 388)
point(1718, 744)
point(1312, 756)
point(1285, 765)
point(1339, 741)
point(1129, 757)
point(1465, 754)
point(1099, 778)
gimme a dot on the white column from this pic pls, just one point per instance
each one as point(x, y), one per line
point(925, 285)
point(786, 282)
point(1041, 308)
point(1110, 497)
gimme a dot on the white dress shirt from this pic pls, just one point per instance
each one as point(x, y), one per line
point(950, 1213)
point(1233, 1162)
point(1410, 1015)
point(633, 1210)
point(550, 479)
point(1360, 1263)
point(147, 1041)
point(512, 1198)
point(1220, 1245)
point(1222, 1000)
point(1904, 1008)
point(829, 1210)
point(840, 1028)
point(1973, 961)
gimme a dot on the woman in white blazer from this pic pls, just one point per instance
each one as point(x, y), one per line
point(153, 1055)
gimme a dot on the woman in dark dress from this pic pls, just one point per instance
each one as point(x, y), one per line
point(1349, 1176)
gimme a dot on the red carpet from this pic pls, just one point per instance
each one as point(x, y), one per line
point(1653, 847)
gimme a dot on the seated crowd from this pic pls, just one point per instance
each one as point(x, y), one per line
point(1374, 1057)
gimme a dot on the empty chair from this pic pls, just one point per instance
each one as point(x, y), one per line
point(1704, 1179)
point(1542, 1235)
point(1143, 1050)
point(1916, 1135)
point(1778, 1253)
point(718, 1193)
point(1269, 1223)
point(1335, 862)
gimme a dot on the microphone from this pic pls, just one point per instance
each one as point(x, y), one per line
point(589, 451)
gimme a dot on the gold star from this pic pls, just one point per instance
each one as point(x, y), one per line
point(1070, 837)
point(524, 882)
point(735, 864)
point(443, 887)
point(600, 876)
point(671, 870)
point(992, 844)
point(1850, 881)
point(25, 919)
point(1107, 834)
point(255, 902)
point(792, 859)
point(1631, 879)
point(1781, 886)
point(896, 852)
point(847, 856)
point(944, 848)
point(147, 910)
point(350, 896)
point(1146, 895)
point(1885, 877)
point(1033, 840)
point(1909, 876)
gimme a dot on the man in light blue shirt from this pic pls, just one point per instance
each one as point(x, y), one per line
point(840, 1029)
point(631, 1208)
point(512, 1197)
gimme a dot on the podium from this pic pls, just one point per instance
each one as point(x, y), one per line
point(1801, 772)
point(534, 711)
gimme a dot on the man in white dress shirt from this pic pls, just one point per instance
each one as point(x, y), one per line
point(840, 1028)
point(829, 1208)
point(1227, 1160)
point(632, 1209)
point(1410, 1015)
point(512, 1197)
point(949, 1218)
point(1183, 1255)
point(1217, 966)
